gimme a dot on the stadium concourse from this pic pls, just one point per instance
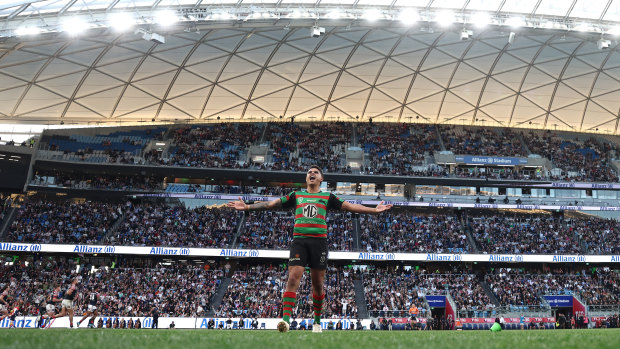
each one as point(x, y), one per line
point(491, 127)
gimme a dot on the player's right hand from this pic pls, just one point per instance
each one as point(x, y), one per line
point(238, 205)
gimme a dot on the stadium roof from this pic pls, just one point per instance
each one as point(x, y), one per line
point(608, 10)
point(257, 61)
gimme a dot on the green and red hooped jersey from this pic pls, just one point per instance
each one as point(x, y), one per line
point(311, 212)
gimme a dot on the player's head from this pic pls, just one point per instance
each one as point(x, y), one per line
point(314, 175)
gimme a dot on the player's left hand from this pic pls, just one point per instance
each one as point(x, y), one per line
point(381, 207)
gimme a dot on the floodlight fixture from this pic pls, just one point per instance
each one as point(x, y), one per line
point(74, 25)
point(151, 36)
point(480, 19)
point(121, 21)
point(372, 14)
point(409, 16)
point(445, 18)
point(166, 18)
point(316, 31)
point(603, 44)
point(511, 38)
point(466, 34)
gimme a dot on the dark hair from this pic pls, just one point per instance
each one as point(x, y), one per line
point(318, 168)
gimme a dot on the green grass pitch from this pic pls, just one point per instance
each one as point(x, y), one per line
point(185, 339)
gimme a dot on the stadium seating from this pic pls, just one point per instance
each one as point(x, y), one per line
point(113, 147)
point(389, 149)
point(398, 230)
point(219, 145)
point(516, 288)
point(126, 290)
point(578, 160)
point(295, 147)
point(523, 234)
point(256, 290)
point(396, 149)
point(527, 234)
point(405, 231)
point(159, 225)
point(389, 291)
point(482, 141)
point(63, 222)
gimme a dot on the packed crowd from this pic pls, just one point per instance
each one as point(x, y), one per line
point(396, 149)
point(176, 290)
point(267, 230)
point(513, 288)
point(107, 182)
point(524, 287)
point(274, 230)
point(392, 291)
point(295, 146)
point(481, 141)
point(524, 234)
point(578, 160)
point(160, 225)
point(391, 149)
point(283, 139)
point(387, 291)
point(136, 288)
point(257, 291)
point(406, 231)
point(599, 236)
point(63, 222)
point(221, 145)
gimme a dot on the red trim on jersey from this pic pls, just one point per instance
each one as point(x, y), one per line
point(308, 225)
point(312, 203)
point(317, 216)
point(311, 235)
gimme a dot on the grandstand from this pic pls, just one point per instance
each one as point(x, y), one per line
point(497, 147)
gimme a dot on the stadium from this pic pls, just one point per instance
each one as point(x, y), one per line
point(464, 159)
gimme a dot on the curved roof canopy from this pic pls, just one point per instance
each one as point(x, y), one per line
point(605, 10)
point(256, 67)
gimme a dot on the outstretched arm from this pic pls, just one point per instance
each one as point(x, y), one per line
point(240, 205)
point(357, 208)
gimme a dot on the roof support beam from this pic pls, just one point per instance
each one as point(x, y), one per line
point(18, 11)
point(112, 4)
point(598, 73)
point(66, 7)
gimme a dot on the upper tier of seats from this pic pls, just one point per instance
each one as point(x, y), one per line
point(387, 149)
